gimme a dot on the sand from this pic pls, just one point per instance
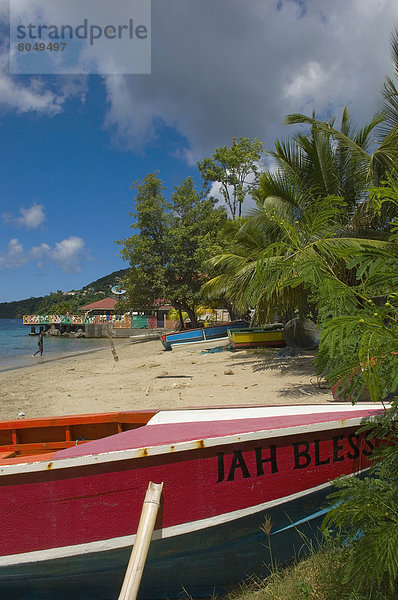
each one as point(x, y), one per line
point(147, 377)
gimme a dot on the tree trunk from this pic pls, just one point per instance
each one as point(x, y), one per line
point(232, 313)
point(180, 306)
point(192, 316)
point(182, 324)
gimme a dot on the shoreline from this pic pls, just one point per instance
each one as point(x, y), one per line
point(22, 361)
point(147, 377)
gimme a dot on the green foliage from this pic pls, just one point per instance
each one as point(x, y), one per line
point(235, 169)
point(175, 238)
point(61, 308)
point(313, 205)
point(319, 577)
point(146, 251)
point(104, 284)
point(365, 512)
point(358, 319)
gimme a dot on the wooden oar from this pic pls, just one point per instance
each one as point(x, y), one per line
point(115, 356)
point(132, 578)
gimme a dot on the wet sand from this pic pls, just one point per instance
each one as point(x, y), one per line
point(147, 377)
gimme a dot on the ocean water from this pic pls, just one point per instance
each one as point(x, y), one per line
point(17, 346)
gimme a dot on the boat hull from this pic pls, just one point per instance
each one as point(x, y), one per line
point(201, 344)
point(198, 335)
point(253, 338)
point(67, 523)
point(200, 563)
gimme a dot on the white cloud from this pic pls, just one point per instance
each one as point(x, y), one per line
point(32, 217)
point(233, 68)
point(306, 82)
point(38, 252)
point(26, 96)
point(15, 256)
point(65, 255)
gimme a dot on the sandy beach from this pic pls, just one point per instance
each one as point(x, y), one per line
point(147, 377)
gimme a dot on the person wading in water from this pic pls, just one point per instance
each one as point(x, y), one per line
point(40, 342)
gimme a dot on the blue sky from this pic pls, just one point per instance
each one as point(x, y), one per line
point(72, 181)
point(72, 146)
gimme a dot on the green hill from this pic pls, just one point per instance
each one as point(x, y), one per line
point(104, 284)
point(61, 302)
point(14, 310)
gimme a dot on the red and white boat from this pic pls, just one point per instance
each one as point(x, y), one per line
point(72, 490)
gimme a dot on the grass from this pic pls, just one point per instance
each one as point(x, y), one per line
point(319, 577)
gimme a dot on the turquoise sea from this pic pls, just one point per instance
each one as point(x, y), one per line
point(17, 346)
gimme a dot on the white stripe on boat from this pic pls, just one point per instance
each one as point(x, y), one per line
point(211, 343)
point(194, 415)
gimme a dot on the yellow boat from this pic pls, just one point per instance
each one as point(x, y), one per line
point(251, 337)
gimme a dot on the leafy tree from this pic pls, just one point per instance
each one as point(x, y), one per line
point(235, 169)
point(61, 308)
point(234, 270)
point(175, 238)
point(365, 511)
point(360, 322)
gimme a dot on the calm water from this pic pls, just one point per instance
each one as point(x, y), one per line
point(17, 346)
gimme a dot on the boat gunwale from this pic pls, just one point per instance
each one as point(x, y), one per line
point(248, 330)
point(140, 416)
point(184, 446)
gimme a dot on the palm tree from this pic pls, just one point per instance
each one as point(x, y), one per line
point(318, 192)
point(235, 268)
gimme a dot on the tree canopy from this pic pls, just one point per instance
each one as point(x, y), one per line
point(174, 240)
point(235, 169)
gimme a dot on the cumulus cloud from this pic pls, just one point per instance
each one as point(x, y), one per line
point(15, 255)
point(32, 217)
point(31, 97)
point(65, 255)
point(233, 68)
point(36, 94)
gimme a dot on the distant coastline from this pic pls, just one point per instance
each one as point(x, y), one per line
point(45, 304)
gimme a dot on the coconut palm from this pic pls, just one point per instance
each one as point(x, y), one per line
point(235, 268)
point(318, 192)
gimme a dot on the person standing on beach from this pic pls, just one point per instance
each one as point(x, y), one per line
point(40, 342)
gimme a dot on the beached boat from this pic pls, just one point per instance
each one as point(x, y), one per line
point(201, 344)
point(213, 332)
point(72, 490)
point(252, 337)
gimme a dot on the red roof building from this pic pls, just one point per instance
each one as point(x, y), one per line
point(105, 306)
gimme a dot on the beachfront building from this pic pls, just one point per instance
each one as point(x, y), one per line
point(100, 318)
point(105, 307)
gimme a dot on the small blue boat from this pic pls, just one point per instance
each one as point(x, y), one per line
point(199, 335)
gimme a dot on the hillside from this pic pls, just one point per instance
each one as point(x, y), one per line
point(104, 284)
point(60, 302)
